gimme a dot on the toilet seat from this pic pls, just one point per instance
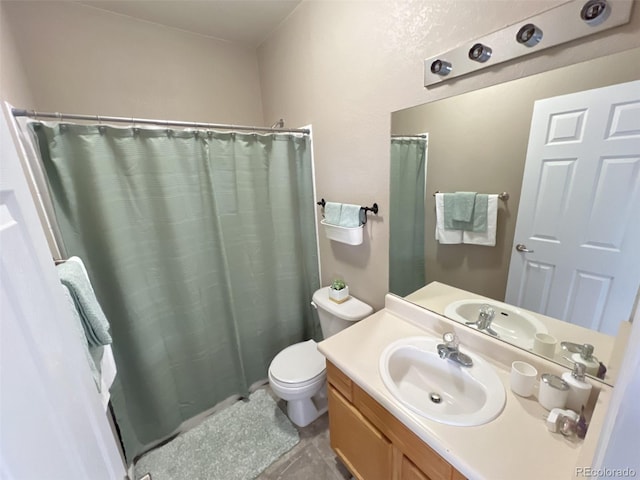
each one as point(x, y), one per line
point(300, 386)
point(298, 365)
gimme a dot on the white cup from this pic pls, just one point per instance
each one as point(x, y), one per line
point(523, 378)
point(544, 344)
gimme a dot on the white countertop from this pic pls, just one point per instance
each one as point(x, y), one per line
point(516, 445)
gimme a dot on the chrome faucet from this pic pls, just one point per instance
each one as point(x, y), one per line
point(449, 350)
point(486, 314)
point(585, 350)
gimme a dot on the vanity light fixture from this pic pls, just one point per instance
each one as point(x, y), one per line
point(571, 20)
point(595, 12)
point(529, 35)
point(441, 67)
point(480, 53)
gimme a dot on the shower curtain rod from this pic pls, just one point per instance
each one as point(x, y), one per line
point(19, 112)
point(408, 136)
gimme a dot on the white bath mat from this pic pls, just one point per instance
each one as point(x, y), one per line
point(237, 443)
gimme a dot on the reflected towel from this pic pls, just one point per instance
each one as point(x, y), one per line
point(443, 235)
point(487, 238)
point(459, 206)
point(478, 221)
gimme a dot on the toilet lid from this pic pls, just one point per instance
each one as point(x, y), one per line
point(298, 363)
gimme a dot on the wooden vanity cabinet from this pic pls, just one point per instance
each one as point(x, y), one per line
point(372, 443)
point(364, 450)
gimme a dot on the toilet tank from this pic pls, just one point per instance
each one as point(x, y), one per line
point(335, 317)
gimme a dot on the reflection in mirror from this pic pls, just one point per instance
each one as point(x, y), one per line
point(407, 215)
point(478, 142)
point(519, 327)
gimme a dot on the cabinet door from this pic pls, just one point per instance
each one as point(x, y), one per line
point(458, 476)
point(432, 465)
point(360, 446)
point(409, 471)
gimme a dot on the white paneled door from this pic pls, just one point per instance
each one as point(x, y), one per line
point(52, 423)
point(576, 252)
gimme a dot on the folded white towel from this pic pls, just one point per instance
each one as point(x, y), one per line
point(488, 238)
point(443, 235)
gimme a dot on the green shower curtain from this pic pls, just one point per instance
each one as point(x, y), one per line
point(201, 247)
point(407, 215)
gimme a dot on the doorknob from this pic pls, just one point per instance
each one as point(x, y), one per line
point(523, 248)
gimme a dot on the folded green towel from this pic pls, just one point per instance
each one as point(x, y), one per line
point(478, 222)
point(93, 355)
point(332, 212)
point(480, 209)
point(96, 327)
point(350, 217)
point(460, 206)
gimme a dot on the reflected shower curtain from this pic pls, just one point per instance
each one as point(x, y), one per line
point(407, 215)
point(202, 250)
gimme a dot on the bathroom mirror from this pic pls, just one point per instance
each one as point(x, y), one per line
point(477, 141)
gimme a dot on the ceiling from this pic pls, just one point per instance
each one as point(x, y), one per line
point(248, 22)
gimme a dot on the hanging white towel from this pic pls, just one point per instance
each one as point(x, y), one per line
point(108, 369)
point(103, 365)
point(442, 235)
point(488, 238)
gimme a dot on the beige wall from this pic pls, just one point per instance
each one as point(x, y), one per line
point(344, 66)
point(478, 142)
point(80, 59)
point(13, 80)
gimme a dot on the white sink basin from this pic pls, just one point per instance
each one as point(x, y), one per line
point(512, 324)
point(417, 377)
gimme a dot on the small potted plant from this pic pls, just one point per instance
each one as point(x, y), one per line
point(339, 291)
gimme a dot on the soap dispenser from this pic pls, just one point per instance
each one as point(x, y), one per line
point(579, 388)
point(585, 356)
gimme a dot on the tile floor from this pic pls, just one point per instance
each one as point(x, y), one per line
point(311, 459)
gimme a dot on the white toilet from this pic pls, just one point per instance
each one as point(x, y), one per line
point(297, 374)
